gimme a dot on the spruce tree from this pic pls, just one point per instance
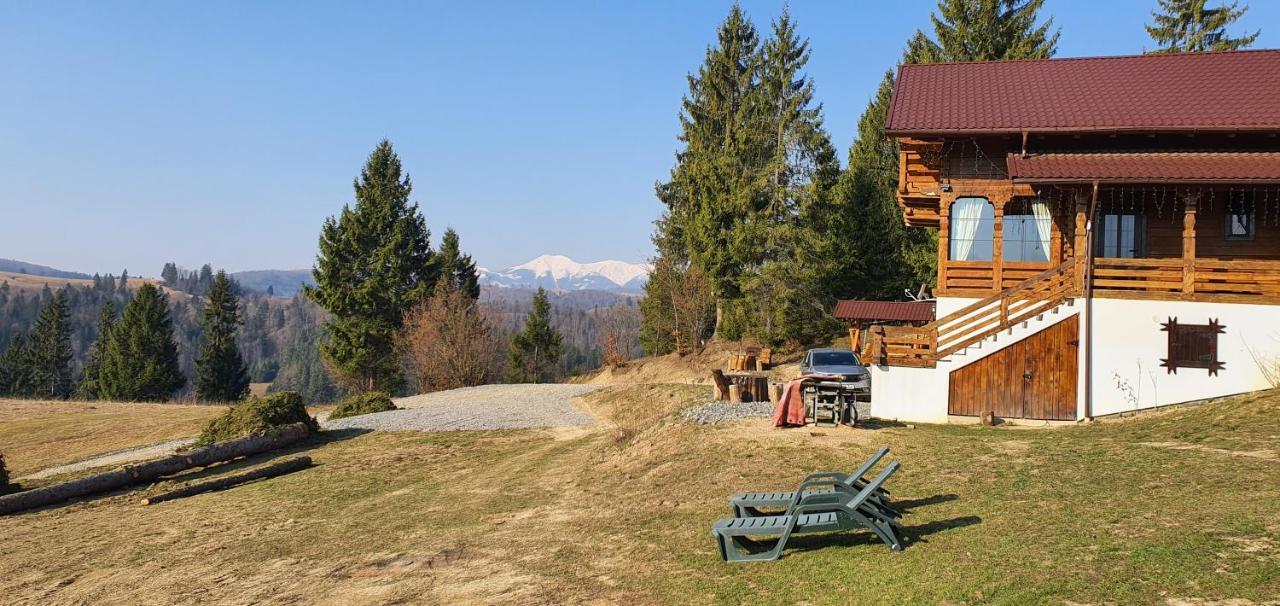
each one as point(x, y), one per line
point(875, 255)
point(535, 351)
point(375, 263)
point(985, 30)
point(715, 183)
point(780, 286)
point(221, 375)
point(455, 269)
point(1187, 26)
point(15, 368)
point(88, 387)
point(140, 363)
point(49, 351)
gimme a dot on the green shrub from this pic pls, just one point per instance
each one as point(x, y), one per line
point(5, 486)
point(258, 416)
point(363, 404)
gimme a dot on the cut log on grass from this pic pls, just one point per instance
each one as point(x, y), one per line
point(150, 471)
point(268, 471)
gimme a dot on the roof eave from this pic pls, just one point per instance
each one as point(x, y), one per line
point(1059, 130)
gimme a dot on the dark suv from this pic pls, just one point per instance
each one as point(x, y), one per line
point(841, 362)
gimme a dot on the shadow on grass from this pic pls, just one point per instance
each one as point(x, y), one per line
point(910, 535)
point(906, 505)
point(142, 489)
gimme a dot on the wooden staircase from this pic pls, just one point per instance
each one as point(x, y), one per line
point(924, 346)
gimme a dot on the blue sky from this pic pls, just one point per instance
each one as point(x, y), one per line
point(134, 133)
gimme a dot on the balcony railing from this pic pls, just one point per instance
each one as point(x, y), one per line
point(1231, 281)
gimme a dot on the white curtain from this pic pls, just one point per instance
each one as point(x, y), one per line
point(1044, 224)
point(966, 215)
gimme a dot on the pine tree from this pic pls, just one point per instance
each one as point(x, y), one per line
point(456, 269)
point(1186, 26)
point(985, 30)
point(375, 263)
point(802, 169)
point(15, 368)
point(140, 363)
point(715, 183)
point(122, 286)
point(876, 256)
point(535, 351)
point(221, 375)
point(88, 387)
point(169, 274)
point(49, 351)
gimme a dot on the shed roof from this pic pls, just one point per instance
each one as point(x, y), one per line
point(1223, 91)
point(885, 311)
point(1147, 166)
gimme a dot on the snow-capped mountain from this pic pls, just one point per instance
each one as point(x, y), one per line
point(557, 272)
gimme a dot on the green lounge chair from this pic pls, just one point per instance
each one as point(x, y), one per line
point(732, 535)
point(817, 486)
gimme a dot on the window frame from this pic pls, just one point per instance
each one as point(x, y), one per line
point(1140, 235)
point(951, 231)
point(1253, 226)
point(1182, 343)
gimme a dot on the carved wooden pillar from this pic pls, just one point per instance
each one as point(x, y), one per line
point(997, 244)
point(1078, 248)
point(944, 241)
point(1189, 246)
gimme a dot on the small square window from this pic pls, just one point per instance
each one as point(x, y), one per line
point(1193, 346)
point(1241, 215)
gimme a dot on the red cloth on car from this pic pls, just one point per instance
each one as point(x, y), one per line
point(789, 411)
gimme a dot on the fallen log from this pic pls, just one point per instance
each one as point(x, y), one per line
point(268, 471)
point(152, 470)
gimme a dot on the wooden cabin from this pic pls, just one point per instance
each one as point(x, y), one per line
point(1108, 234)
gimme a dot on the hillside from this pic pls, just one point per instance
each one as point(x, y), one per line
point(28, 283)
point(22, 267)
point(1115, 512)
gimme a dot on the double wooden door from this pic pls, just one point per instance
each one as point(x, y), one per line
point(1032, 379)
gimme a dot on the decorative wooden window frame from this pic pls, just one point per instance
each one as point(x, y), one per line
point(1193, 346)
point(1252, 225)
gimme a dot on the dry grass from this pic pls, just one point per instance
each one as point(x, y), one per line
point(35, 434)
point(690, 368)
point(1083, 514)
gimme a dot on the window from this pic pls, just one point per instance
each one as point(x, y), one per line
point(973, 229)
point(1240, 217)
point(1027, 228)
point(834, 358)
point(1193, 346)
point(1120, 236)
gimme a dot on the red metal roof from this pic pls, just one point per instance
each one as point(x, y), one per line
point(1225, 91)
point(1147, 166)
point(887, 311)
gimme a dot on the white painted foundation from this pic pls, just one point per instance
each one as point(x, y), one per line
point(1127, 348)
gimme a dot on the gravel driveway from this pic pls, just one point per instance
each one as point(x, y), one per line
point(484, 407)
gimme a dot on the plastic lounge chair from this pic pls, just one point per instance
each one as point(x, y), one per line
point(854, 512)
point(815, 486)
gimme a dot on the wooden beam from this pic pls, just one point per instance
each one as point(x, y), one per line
point(944, 239)
point(1078, 249)
point(1189, 246)
point(997, 245)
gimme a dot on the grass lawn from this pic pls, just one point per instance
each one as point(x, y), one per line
point(1175, 507)
point(36, 434)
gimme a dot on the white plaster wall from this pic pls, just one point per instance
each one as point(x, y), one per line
point(920, 394)
point(1128, 346)
point(909, 394)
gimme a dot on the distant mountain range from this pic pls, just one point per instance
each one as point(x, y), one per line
point(557, 272)
point(553, 272)
point(22, 267)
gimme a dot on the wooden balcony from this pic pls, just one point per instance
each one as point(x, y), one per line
point(1197, 279)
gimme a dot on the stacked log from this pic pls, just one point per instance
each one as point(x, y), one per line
point(153, 470)
point(267, 471)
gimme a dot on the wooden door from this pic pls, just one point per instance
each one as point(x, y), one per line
point(1032, 379)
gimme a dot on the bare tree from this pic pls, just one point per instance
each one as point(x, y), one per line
point(449, 343)
point(618, 331)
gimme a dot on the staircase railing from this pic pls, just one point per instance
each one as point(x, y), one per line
point(925, 345)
